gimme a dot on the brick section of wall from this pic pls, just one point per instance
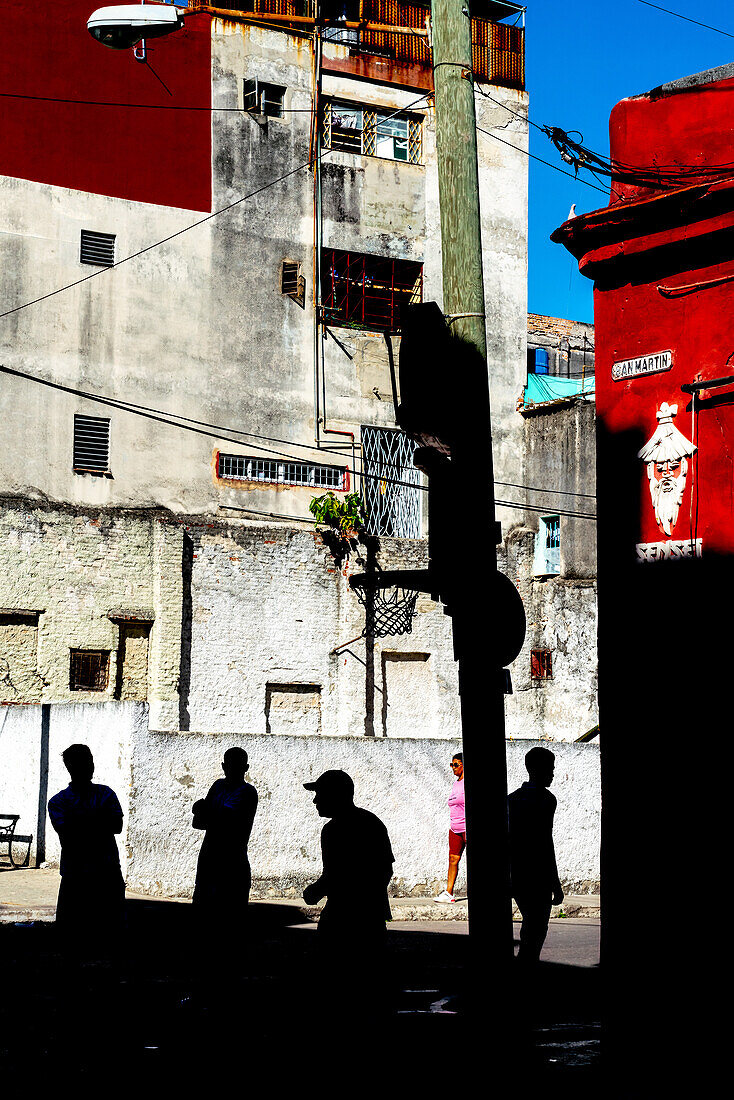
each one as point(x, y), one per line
point(75, 568)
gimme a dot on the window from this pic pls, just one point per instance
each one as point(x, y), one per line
point(367, 291)
point(356, 129)
point(289, 273)
point(547, 559)
point(91, 445)
point(264, 99)
point(89, 669)
point(537, 361)
point(243, 468)
point(391, 483)
point(292, 282)
point(97, 248)
point(541, 664)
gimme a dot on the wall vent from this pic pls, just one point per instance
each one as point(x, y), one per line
point(91, 445)
point(97, 249)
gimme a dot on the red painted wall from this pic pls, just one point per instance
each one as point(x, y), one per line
point(634, 317)
point(147, 155)
point(691, 126)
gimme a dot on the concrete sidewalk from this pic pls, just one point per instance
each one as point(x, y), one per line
point(30, 894)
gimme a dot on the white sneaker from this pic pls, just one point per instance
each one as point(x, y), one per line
point(445, 896)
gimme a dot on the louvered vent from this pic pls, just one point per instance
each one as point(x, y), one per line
point(91, 444)
point(97, 248)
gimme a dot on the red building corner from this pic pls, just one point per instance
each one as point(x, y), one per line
point(661, 255)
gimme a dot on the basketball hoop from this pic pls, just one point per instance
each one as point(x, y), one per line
point(388, 599)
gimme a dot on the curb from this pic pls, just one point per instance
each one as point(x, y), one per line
point(403, 909)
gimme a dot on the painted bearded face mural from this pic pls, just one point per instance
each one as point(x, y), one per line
point(666, 455)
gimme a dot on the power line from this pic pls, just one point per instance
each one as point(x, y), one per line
point(540, 159)
point(687, 18)
point(146, 106)
point(221, 433)
point(201, 221)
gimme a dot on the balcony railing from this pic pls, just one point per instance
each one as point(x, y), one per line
point(498, 50)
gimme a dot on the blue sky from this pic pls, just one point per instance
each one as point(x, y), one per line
point(582, 57)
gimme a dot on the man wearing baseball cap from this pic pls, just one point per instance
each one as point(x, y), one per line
point(357, 864)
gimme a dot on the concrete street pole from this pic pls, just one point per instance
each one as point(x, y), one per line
point(476, 626)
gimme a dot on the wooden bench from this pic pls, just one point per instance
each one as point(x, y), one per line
point(9, 837)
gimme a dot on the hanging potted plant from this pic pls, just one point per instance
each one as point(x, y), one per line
point(346, 515)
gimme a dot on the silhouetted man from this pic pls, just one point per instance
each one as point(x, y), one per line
point(357, 867)
point(223, 876)
point(535, 883)
point(87, 816)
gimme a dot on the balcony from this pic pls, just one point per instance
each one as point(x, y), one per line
point(498, 49)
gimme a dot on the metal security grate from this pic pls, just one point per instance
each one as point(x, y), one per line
point(97, 248)
point(387, 459)
point(91, 444)
point(541, 664)
point(364, 291)
point(243, 468)
point(89, 669)
point(353, 128)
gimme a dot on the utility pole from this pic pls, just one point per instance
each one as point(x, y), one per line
point(478, 620)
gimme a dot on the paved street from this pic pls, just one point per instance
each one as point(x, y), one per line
point(176, 1005)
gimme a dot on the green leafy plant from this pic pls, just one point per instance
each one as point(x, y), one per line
point(344, 514)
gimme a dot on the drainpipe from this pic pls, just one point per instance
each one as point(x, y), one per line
point(320, 423)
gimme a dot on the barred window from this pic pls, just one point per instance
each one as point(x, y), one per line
point(547, 558)
point(541, 664)
point(274, 472)
point(367, 291)
point(391, 483)
point(89, 669)
point(359, 129)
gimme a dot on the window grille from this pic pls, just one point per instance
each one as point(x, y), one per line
point(271, 471)
point(390, 484)
point(264, 99)
point(367, 291)
point(541, 664)
point(89, 669)
point(91, 444)
point(356, 129)
point(548, 547)
point(97, 248)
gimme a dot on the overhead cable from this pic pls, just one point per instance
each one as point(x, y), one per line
point(212, 431)
point(200, 221)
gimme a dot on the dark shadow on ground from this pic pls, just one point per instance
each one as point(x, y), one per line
point(176, 1006)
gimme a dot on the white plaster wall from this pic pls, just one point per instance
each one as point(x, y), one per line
point(404, 781)
point(158, 776)
point(106, 728)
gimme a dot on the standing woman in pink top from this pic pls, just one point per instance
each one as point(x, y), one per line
point(457, 828)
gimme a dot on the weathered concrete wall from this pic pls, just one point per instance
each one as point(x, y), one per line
point(198, 328)
point(254, 628)
point(561, 615)
point(559, 453)
point(158, 776)
point(77, 570)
